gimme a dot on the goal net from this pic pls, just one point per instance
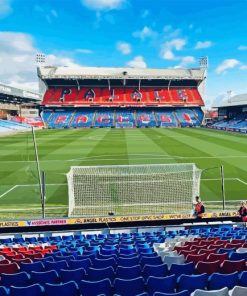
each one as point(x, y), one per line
point(132, 189)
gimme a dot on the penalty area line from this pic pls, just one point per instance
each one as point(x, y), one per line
point(6, 192)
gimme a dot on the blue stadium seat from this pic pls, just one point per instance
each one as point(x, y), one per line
point(4, 291)
point(32, 290)
point(88, 288)
point(161, 284)
point(67, 275)
point(102, 263)
point(156, 260)
point(192, 282)
point(57, 265)
point(43, 260)
point(35, 266)
point(127, 252)
point(97, 274)
point(43, 239)
point(19, 279)
point(218, 281)
point(182, 293)
point(128, 262)
point(128, 272)
point(238, 256)
point(64, 289)
point(155, 270)
point(243, 279)
point(45, 277)
point(179, 269)
point(84, 263)
point(108, 252)
point(225, 250)
point(66, 258)
point(131, 287)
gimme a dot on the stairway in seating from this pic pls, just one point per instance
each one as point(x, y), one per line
point(135, 117)
point(50, 118)
point(94, 119)
point(72, 119)
point(196, 116)
point(176, 117)
point(114, 118)
point(155, 118)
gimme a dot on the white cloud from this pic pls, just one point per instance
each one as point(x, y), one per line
point(137, 62)
point(18, 66)
point(5, 8)
point(168, 54)
point(146, 32)
point(227, 64)
point(242, 47)
point(187, 60)
point(124, 47)
point(169, 46)
point(170, 32)
point(178, 43)
point(243, 67)
point(203, 44)
point(84, 50)
point(103, 4)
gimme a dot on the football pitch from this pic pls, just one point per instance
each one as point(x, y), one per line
point(60, 149)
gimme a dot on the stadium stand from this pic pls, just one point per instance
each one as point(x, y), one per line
point(147, 98)
point(232, 115)
point(10, 126)
point(120, 96)
point(125, 263)
point(127, 117)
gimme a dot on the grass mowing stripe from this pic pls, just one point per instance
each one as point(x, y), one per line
point(221, 141)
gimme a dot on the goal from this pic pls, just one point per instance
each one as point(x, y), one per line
point(132, 189)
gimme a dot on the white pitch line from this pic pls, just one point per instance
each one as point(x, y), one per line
point(27, 185)
point(8, 191)
point(85, 159)
point(241, 181)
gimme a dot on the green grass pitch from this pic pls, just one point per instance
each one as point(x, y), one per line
point(60, 149)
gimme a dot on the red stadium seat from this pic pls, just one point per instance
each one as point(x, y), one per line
point(208, 267)
point(4, 261)
point(9, 268)
point(207, 251)
point(196, 258)
point(217, 257)
point(229, 266)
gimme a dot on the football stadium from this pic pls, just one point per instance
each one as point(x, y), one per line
point(121, 179)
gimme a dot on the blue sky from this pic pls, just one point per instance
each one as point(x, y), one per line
point(135, 33)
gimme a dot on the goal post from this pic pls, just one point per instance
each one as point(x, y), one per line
point(132, 189)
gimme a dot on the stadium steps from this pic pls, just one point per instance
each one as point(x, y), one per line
point(177, 120)
point(50, 118)
point(170, 95)
point(155, 118)
point(114, 118)
point(135, 117)
point(94, 119)
point(196, 116)
point(72, 118)
point(192, 94)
